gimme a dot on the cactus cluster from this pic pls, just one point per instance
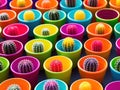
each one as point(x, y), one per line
point(117, 65)
point(68, 44)
point(1, 66)
point(51, 85)
point(4, 16)
point(45, 32)
point(54, 14)
point(46, 4)
point(90, 64)
point(56, 66)
point(38, 47)
point(12, 30)
point(93, 3)
point(117, 2)
point(96, 46)
point(70, 3)
point(9, 47)
point(25, 66)
point(14, 87)
point(71, 29)
point(79, 15)
point(20, 3)
point(100, 28)
point(85, 86)
point(29, 15)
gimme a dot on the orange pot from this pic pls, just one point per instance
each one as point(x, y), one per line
point(99, 74)
point(107, 46)
point(91, 30)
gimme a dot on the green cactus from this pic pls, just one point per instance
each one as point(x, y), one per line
point(1, 66)
point(54, 14)
point(117, 65)
point(14, 87)
point(45, 31)
point(38, 47)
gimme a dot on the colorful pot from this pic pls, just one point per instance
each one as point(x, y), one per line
point(53, 4)
point(3, 4)
point(13, 56)
point(85, 22)
point(61, 84)
point(107, 46)
point(97, 75)
point(13, 6)
point(117, 30)
point(65, 74)
point(59, 22)
point(107, 15)
point(79, 31)
point(42, 56)
point(23, 84)
point(118, 46)
point(67, 9)
point(91, 30)
point(5, 69)
point(32, 23)
point(32, 76)
point(21, 33)
point(74, 55)
point(95, 85)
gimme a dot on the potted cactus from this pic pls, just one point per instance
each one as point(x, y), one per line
point(69, 47)
point(26, 67)
point(15, 84)
point(53, 84)
point(92, 66)
point(3, 4)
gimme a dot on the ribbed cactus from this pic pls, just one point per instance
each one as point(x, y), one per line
point(85, 86)
point(12, 30)
point(70, 3)
point(14, 87)
point(54, 14)
point(100, 28)
point(21, 3)
point(117, 65)
point(68, 44)
point(9, 47)
point(97, 45)
point(4, 16)
point(71, 29)
point(38, 47)
point(45, 31)
point(1, 66)
point(51, 85)
point(56, 66)
point(79, 15)
point(90, 64)
point(46, 4)
point(29, 15)
point(25, 66)
point(117, 2)
point(93, 3)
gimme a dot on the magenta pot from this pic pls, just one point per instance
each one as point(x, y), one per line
point(32, 76)
point(3, 4)
point(16, 31)
point(118, 46)
point(77, 33)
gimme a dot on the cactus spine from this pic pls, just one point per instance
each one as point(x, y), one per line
point(14, 87)
point(71, 29)
point(9, 47)
point(70, 3)
point(79, 15)
point(4, 16)
point(38, 47)
point(93, 3)
point(45, 31)
point(1, 66)
point(85, 86)
point(25, 66)
point(21, 3)
point(56, 66)
point(117, 65)
point(54, 14)
point(97, 46)
point(68, 44)
point(51, 85)
point(13, 30)
point(90, 64)
point(117, 2)
point(100, 28)
point(46, 4)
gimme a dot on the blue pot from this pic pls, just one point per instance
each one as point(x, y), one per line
point(117, 30)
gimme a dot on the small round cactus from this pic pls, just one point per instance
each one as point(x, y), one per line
point(25, 66)
point(4, 16)
point(68, 44)
point(21, 3)
point(71, 29)
point(100, 28)
point(38, 47)
point(97, 45)
point(14, 87)
point(54, 14)
point(45, 32)
point(56, 66)
point(93, 3)
point(1, 66)
point(46, 4)
point(51, 85)
point(117, 2)
point(29, 15)
point(12, 30)
point(70, 3)
point(90, 64)
point(79, 15)
point(9, 47)
point(117, 65)
point(85, 86)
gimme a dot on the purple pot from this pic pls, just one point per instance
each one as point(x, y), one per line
point(79, 32)
point(118, 46)
point(32, 77)
point(3, 4)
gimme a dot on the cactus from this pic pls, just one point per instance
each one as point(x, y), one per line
point(1, 66)
point(29, 15)
point(12, 30)
point(45, 31)
point(46, 4)
point(9, 47)
point(56, 66)
point(71, 29)
point(85, 86)
point(14, 87)
point(96, 46)
point(25, 66)
point(117, 65)
point(38, 47)
point(68, 44)
point(93, 3)
point(70, 3)
point(117, 2)
point(79, 15)
point(0, 2)
point(4, 16)
point(21, 3)
point(54, 14)
point(100, 28)
point(90, 64)
point(51, 85)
